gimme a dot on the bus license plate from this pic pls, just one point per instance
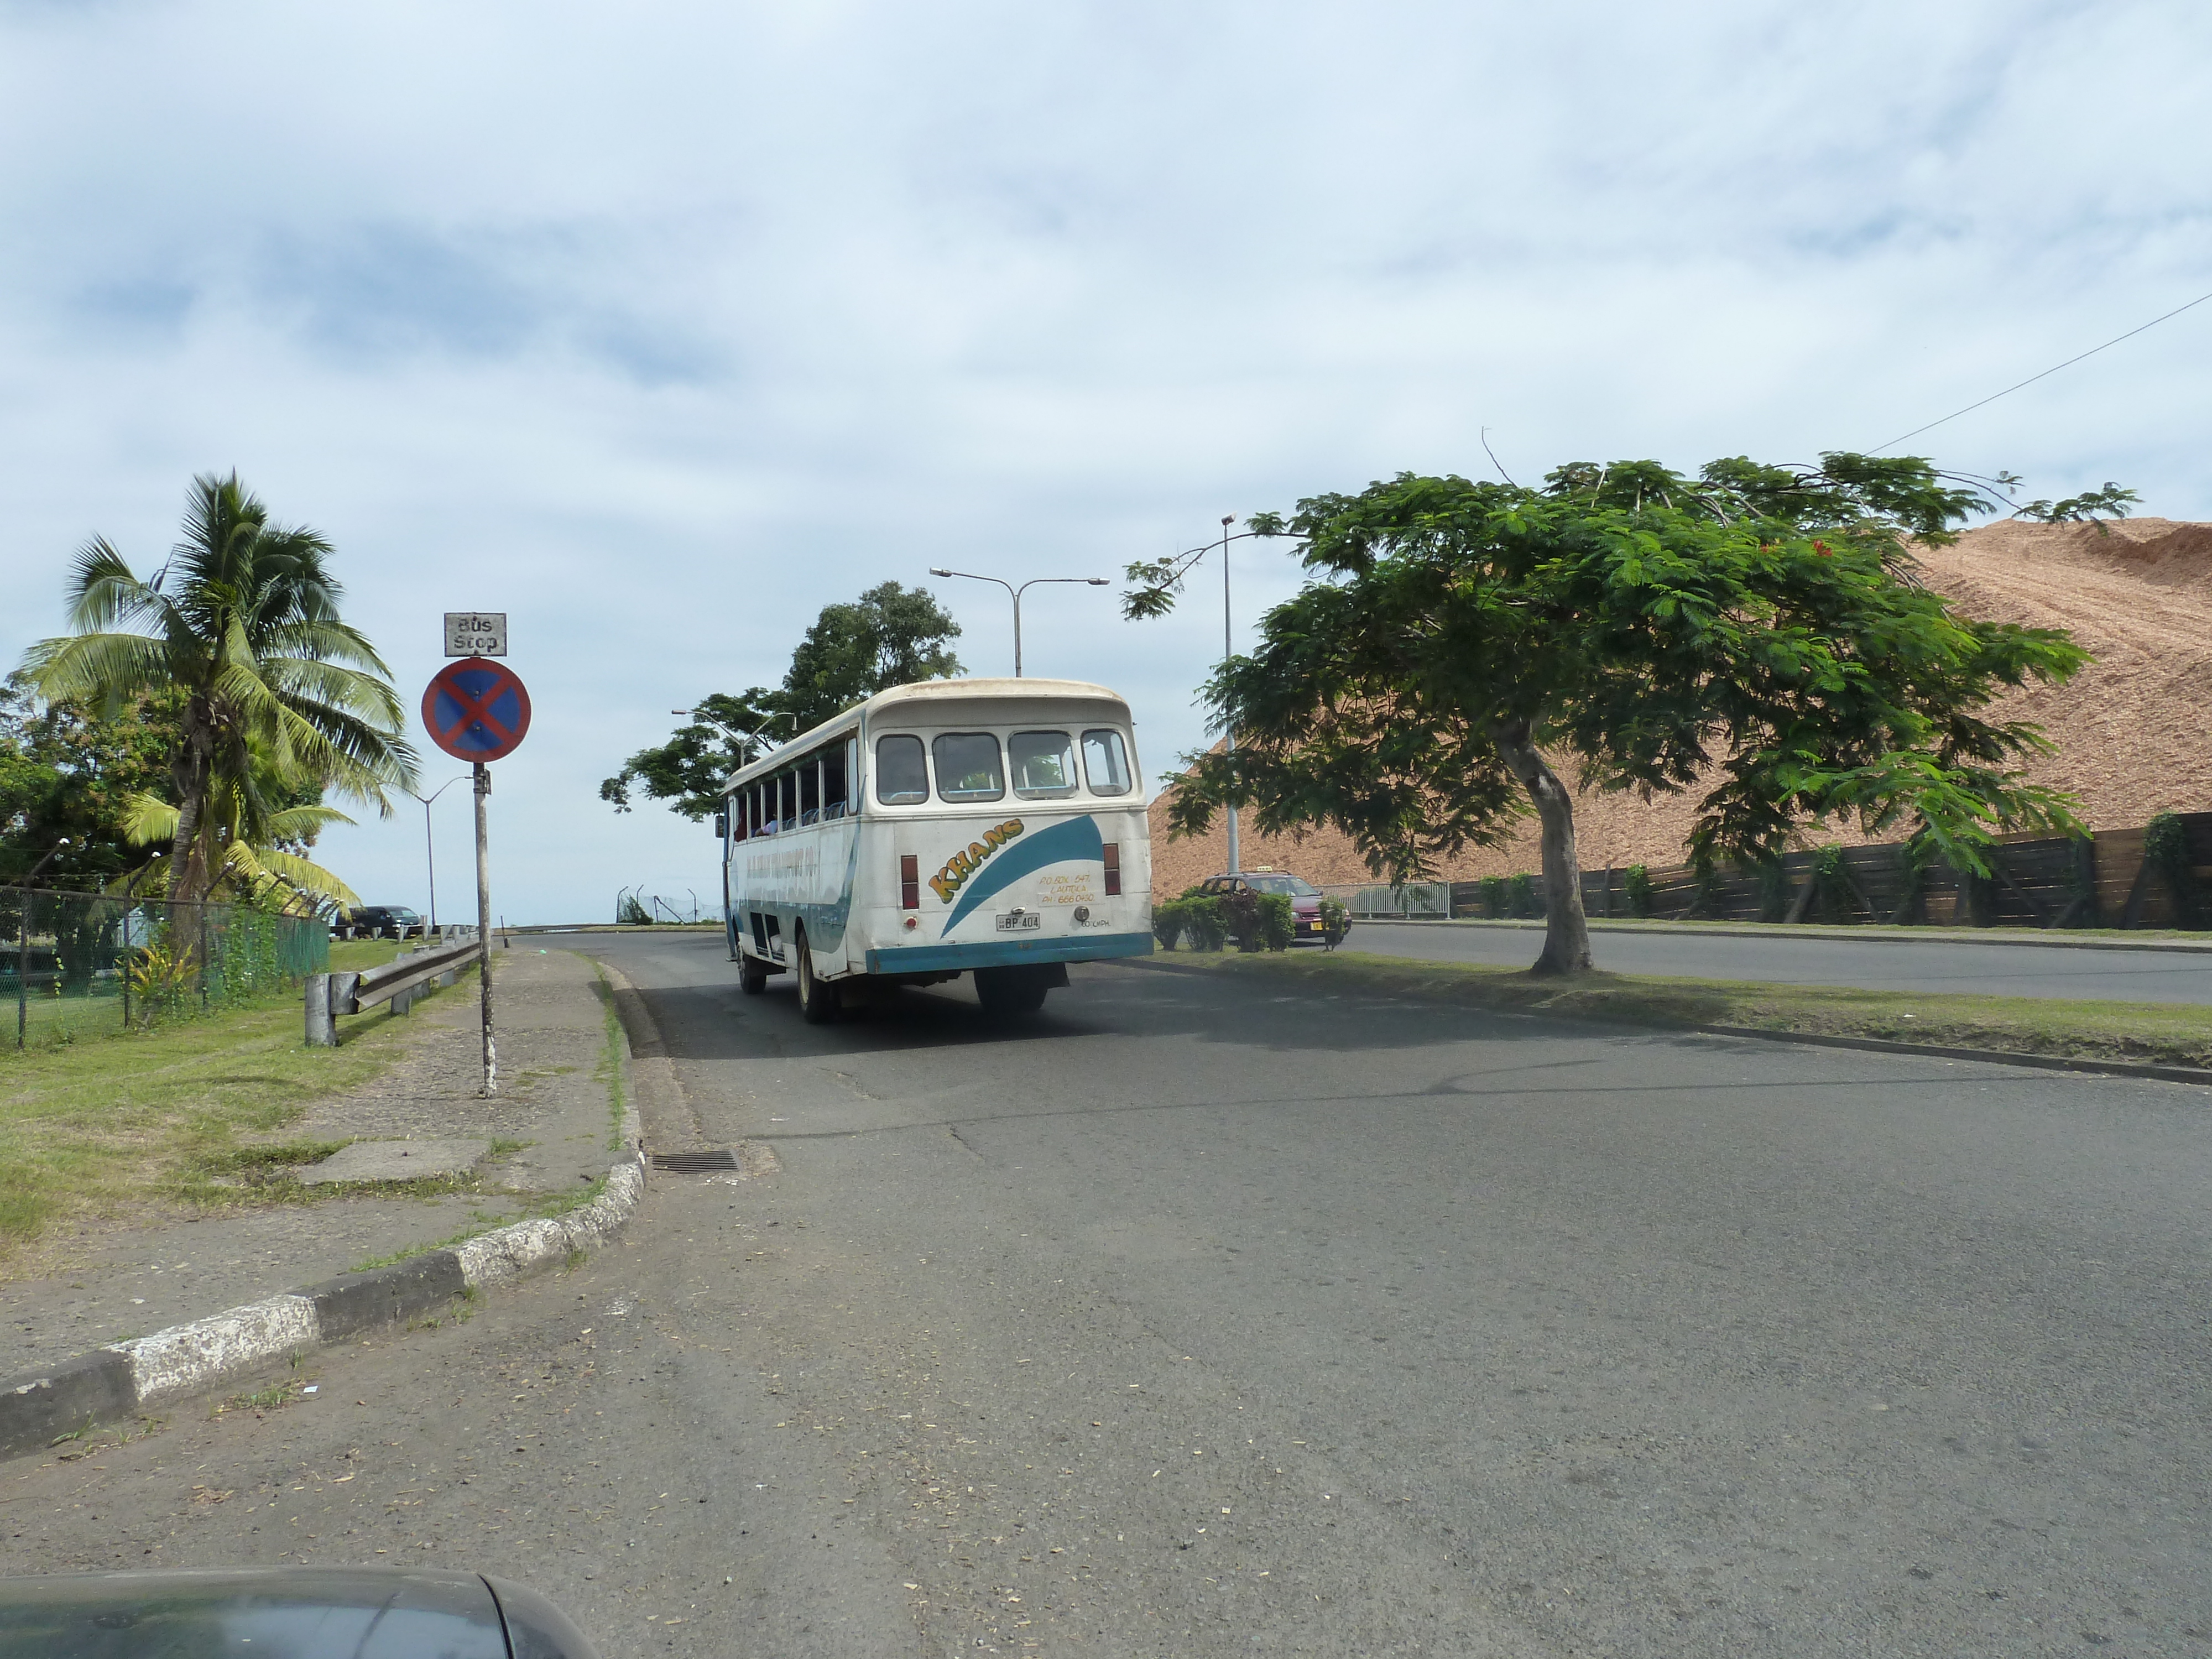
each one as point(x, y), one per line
point(1021, 921)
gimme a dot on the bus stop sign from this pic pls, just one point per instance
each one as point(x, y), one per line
point(477, 710)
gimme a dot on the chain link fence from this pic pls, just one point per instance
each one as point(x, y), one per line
point(75, 961)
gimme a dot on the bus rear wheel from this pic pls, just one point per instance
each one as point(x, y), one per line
point(1011, 990)
point(819, 1004)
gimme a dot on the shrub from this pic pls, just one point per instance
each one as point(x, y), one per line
point(1167, 921)
point(1279, 920)
point(162, 980)
point(2166, 849)
point(1240, 917)
point(1204, 928)
point(1494, 896)
point(1636, 882)
point(1335, 922)
point(1835, 894)
point(1773, 890)
point(1520, 897)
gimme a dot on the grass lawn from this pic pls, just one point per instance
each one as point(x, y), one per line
point(2167, 1034)
point(105, 1122)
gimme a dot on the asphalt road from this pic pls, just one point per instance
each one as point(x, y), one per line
point(1190, 1320)
point(2007, 970)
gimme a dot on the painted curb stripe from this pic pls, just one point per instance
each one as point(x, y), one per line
point(126, 1378)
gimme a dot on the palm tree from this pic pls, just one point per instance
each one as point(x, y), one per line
point(242, 623)
point(260, 863)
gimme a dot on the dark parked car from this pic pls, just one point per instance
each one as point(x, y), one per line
point(1304, 896)
point(282, 1612)
point(377, 920)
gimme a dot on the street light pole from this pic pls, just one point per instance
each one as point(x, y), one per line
point(1228, 650)
point(1087, 581)
point(430, 846)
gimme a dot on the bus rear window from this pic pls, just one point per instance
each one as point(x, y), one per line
point(1044, 764)
point(968, 767)
point(901, 779)
point(1106, 762)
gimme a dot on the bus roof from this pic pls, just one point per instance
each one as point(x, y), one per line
point(919, 697)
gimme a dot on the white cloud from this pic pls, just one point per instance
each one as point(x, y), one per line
point(662, 327)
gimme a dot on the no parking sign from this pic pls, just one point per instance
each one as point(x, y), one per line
point(477, 710)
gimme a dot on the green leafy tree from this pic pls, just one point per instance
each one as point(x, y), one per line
point(69, 774)
point(276, 691)
point(890, 635)
point(724, 733)
point(1755, 632)
point(2092, 506)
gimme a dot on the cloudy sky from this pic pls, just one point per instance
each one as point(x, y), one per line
point(660, 326)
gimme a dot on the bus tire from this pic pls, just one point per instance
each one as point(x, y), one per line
point(752, 976)
point(1011, 990)
point(819, 1004)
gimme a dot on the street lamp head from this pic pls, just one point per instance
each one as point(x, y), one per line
point(1228, 518)
point(938, 571)
point(1097, 581)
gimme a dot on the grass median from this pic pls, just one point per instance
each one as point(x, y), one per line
point(118, 1123)
point(2158, 1033)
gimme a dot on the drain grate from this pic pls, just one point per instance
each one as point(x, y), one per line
point(696, 1162)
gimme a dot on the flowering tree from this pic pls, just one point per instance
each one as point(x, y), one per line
point(1755, 632)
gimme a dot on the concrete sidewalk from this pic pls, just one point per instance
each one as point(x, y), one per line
point(555, 1100)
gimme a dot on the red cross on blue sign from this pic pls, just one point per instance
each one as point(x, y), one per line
point(477, 710)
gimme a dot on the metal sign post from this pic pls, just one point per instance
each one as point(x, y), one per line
point(477, 711)
point(484, 931)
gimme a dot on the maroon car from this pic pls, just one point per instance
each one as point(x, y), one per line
point(1304, 896)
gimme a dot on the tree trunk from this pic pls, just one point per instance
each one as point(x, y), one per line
point(189, 770)
point(1566, 929)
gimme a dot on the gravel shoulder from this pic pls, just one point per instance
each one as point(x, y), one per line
point(103, 1282)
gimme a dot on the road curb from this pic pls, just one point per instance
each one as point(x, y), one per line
point(127, 1379)
point(2050, 940)
point(2150, 1070)
point(2136, 1068)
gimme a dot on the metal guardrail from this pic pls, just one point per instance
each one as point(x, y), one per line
point(398, 982)
point(1379, 901)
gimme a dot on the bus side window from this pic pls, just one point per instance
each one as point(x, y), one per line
point(810, 790)
point(901, 776)
point(1106, 762)
point(833, 783)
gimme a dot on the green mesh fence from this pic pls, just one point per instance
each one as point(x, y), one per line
point(68, 960)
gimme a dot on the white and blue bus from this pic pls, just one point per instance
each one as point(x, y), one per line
point(988, 826)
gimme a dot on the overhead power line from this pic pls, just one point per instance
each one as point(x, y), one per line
point(2032, 379)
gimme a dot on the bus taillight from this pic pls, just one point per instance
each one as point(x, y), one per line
point(910, 882)
point(1113, 852)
